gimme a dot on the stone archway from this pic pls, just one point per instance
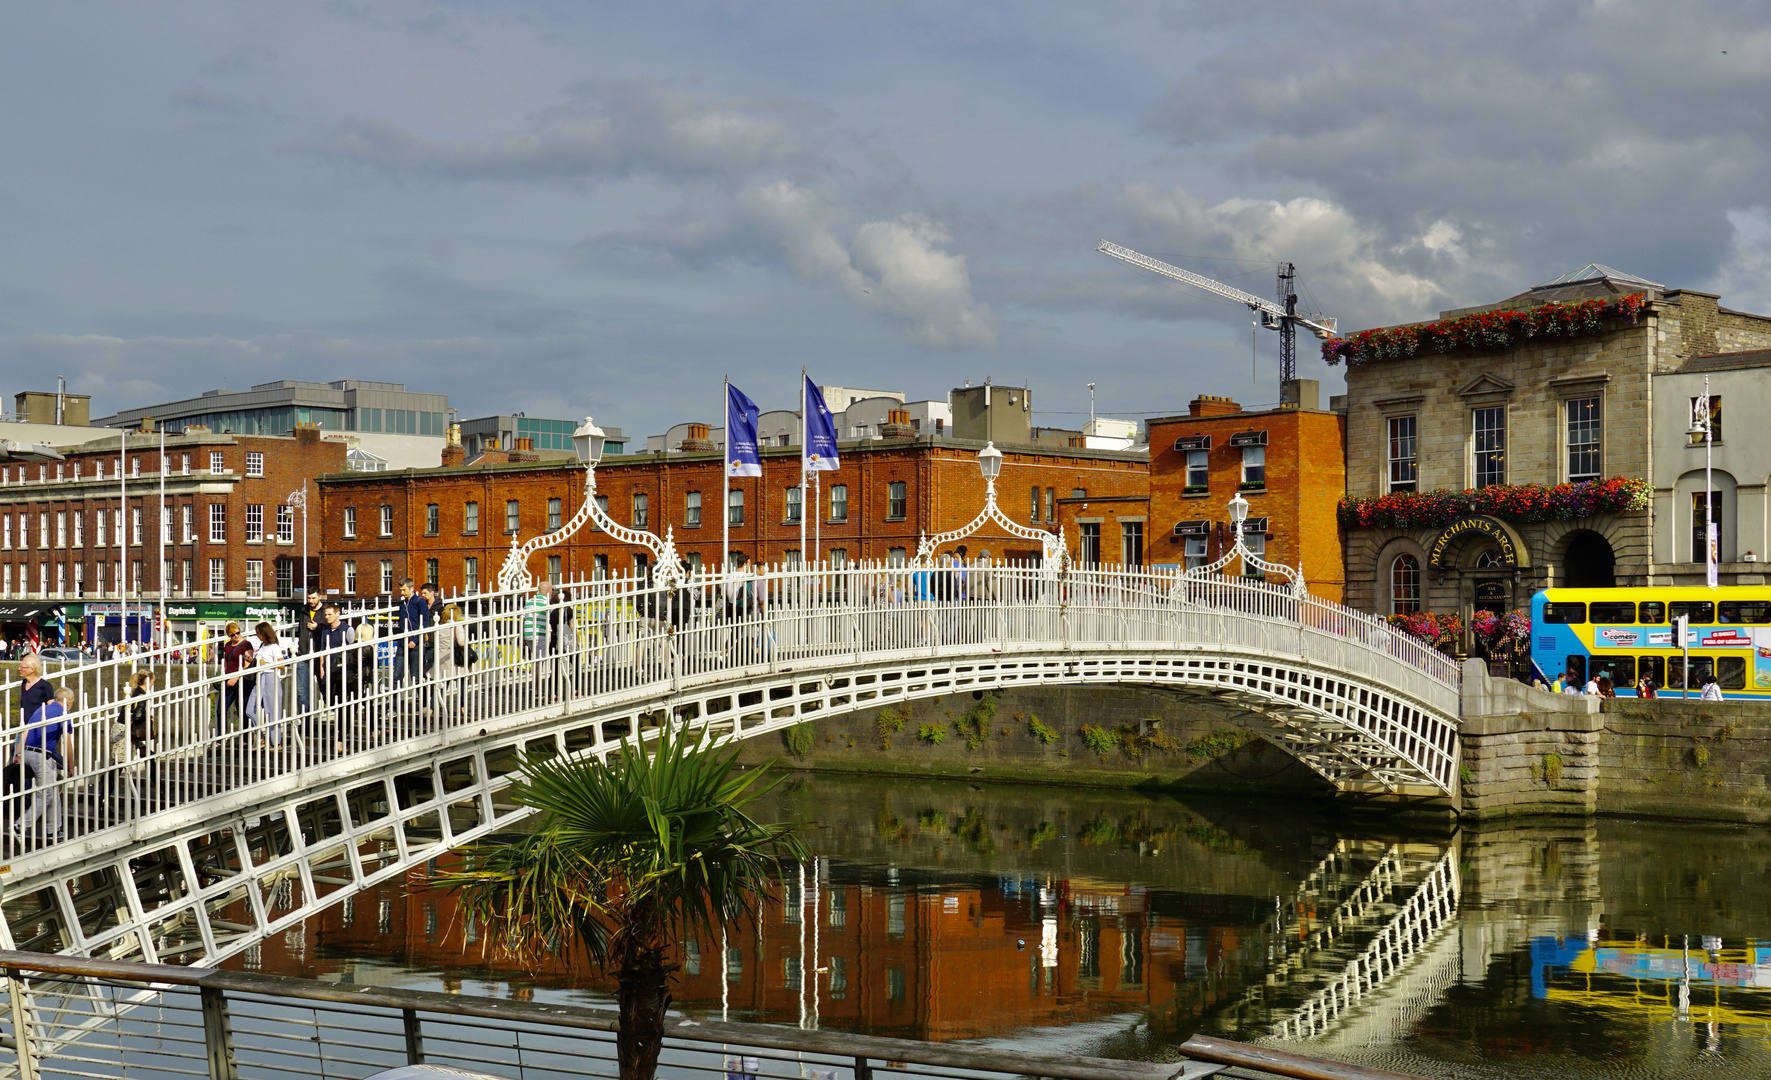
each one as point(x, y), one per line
point(1588, 562)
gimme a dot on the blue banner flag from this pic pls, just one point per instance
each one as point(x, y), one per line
point(820, 448)
point(743, 455)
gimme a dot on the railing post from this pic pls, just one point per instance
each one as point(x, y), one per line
point(863, 1069)
point(414, 1037)
point(21, 1025)
point(218, 1035)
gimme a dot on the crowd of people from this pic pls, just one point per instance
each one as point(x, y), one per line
point(1601, 686)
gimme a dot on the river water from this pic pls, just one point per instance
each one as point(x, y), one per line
point(1114, 924)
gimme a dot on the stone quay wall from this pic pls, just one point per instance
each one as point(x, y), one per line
point(1527, 753)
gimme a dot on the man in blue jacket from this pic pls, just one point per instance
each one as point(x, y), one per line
point(413, 615)
point(43, 750)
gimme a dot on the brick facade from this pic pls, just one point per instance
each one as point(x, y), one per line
point(1533, 385)
point(943, 490)
point(50, 537)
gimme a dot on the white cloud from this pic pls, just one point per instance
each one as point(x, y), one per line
point(608, 130)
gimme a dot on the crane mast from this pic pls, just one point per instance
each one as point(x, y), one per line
point(1282, 316)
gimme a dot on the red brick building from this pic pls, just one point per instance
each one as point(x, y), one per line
point(232, 537)
point(455, 525)
point(1289, 463)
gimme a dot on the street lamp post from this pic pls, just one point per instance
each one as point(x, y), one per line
point(1702, 424)
point(298, 500)
point(1239, 550)
point(990, 465)
point(588, 440)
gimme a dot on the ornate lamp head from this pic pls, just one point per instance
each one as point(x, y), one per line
point(588, 441)
point(1238, 510)
point(990, 461)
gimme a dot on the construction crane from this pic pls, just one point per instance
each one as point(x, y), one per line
point(1282, 316)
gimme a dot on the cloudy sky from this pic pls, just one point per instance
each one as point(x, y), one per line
point(571, 208)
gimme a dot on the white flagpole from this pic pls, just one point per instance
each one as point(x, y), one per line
point(725, 483)
point(805, 416)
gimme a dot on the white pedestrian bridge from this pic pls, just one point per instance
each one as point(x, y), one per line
point(188, 843)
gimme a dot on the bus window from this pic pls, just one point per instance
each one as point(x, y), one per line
point(1622, 670)
point(1577, 671)
point(1700, 611)
point(1675, 672)
point(1651, 612)
point(1564, 613)
point(1731, 672)
point(1652, 667)
point(1743, 611)
point(1613, 611)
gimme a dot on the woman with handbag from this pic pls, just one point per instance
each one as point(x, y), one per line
point(455, 660)
point(266, 703)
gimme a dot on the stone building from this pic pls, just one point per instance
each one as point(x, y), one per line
point(1553, 386)
point(1740, 459)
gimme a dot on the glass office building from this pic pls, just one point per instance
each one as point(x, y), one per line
point(275, 408)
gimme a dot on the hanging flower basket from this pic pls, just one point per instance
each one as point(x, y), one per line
point(1527, 503)
point(1486, 331)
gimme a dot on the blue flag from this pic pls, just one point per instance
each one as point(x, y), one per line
point(820, 449)
point(743, 455)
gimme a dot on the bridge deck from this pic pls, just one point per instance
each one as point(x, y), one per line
point(388, 760)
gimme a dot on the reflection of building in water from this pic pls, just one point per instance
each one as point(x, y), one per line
point(934, 962)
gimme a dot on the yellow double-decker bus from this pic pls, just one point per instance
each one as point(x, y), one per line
point(1581, 634)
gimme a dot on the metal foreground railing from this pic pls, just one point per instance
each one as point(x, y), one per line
point(68, 1017)
point(209, 733)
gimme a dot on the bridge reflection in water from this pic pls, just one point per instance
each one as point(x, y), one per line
point(1160, 926)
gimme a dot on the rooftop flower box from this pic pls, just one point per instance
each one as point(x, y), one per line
point(1528, 503)
point(1489, 330)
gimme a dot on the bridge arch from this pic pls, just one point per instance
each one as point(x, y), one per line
point(267, 837)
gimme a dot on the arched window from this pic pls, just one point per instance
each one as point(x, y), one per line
point(1490, 560)
point(1404, 584)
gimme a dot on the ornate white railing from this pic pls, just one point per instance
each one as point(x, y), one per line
point(513, 654)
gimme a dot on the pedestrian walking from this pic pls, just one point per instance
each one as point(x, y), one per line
point(1711, 690)
point(307, 620)
point(44, 749)
point(236, 657)
point(266, 704)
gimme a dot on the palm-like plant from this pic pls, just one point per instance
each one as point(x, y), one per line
point(630, 855)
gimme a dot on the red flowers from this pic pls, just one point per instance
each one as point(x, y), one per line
point(1489, 330)
point(1520, 502)
point(1430, 626)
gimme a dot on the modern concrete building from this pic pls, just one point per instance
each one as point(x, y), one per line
point(1740, 465)
point(274, 408)
point(550, 439)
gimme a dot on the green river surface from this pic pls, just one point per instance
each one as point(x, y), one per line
point(1115, 924)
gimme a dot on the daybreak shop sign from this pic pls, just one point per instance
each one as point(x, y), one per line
point(203, 610)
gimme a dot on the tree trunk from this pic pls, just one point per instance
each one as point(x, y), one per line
point(643, 995)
